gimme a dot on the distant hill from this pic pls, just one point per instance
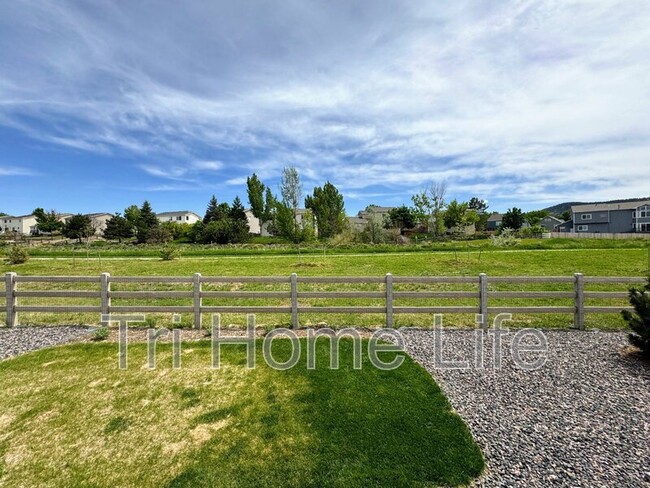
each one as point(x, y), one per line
point(561, 207)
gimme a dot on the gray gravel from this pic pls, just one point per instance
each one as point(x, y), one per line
point(583, 419)
point(19, 340)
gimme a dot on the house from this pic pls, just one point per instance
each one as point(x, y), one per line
point(632, 216)
point(550, 223)
point(22, 224)
point(180, 217)
point(99, 221)
point(494, 221)
point(254, 225)
point(357, 223)
point(374, 212)
point(564, 226)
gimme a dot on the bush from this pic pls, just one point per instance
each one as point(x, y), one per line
point(506, 238)
point(169, 252)
point(100, 334)
point(17, 255)
point(639, 321)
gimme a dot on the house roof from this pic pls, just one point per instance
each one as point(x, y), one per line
point(183, 212)
point(558, 221)
point(356, 220)
point(495, 217)
point(100, 214)
point(18, 216)
point(595, 207)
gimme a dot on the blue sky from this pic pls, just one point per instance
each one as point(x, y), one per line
point(526, 103)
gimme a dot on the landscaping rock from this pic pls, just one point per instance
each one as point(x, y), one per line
point(582, 419)
point(19, 340)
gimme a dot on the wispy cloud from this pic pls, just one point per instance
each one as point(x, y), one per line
point(16, 171)
point(518, 100)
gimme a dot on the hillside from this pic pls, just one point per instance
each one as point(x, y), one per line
point(561, 207)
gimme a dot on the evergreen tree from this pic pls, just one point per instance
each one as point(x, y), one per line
point(118, 228)
point(212, 212)
point(400, 218)
point(147, 221)
point(47, 222)
point(78, 227)
point(639, 321)
point(512, 219)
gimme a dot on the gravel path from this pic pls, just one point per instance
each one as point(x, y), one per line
point(582, 419)
point(19, 340)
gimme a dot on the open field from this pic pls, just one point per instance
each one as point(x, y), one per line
point(557, 262)
point(70, 417)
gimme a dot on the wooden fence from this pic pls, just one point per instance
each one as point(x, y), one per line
point(102, 295)
point(599, 235)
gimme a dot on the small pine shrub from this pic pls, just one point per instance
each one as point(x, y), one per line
point(639, 320)
point(17, 255)
point(100, 334)
point(169, 252)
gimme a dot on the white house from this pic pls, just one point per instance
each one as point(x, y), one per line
point(180, 217)
point(254, 225)
point(23, 224)
point(99, 221)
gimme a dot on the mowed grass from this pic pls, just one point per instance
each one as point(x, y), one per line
point(70, 417)
point(553, 262)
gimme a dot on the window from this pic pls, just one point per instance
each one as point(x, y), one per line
point(179, 218)
point(585, 216)
point(583, 228)
point(644, 227)
point(187, 217)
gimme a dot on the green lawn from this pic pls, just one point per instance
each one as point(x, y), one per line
point(564, 262)
point(70, 417)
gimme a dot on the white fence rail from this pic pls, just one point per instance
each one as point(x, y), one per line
point(103, 295)
point(600, 235)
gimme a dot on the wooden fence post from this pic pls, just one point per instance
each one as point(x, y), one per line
point(389, 300)
point(197, 300)
point(10, 289)
point(295, 323)
point(579, 301)
point(105, 293)
point(483, 299)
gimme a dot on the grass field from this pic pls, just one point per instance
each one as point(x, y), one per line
point(552, 262)
point(70, 417)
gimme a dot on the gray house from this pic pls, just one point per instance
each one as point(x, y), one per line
point(550, 223)
point(633, 216)
point(494, 221)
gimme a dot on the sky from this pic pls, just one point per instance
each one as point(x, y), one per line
point(522, 103)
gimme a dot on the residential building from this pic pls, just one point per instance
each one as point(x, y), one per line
point(550, 223)
point(494, 221)
point(564, 226)
point(99, 221)
point(374, 212)
point(179, 217)
point(254, 225)
point(22, 224)
point(632, 216)
point(357, 223)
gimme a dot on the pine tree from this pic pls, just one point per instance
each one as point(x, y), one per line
point(147, 221)
point(212, 212)
point(118, 228)
point(639, 321)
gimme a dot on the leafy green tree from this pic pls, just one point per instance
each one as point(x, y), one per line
point(455, 214)
point(132, 214)
point(118, 228)
point(78, 227)
point(513, 219)
point(373, 232)
point(47, 222)
point(146, 223)
point(566, 215)
point(256, 191)
point(329, 210)
point(401, 218)
point(534, 218)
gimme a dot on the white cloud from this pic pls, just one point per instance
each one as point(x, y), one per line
point(533, 100)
